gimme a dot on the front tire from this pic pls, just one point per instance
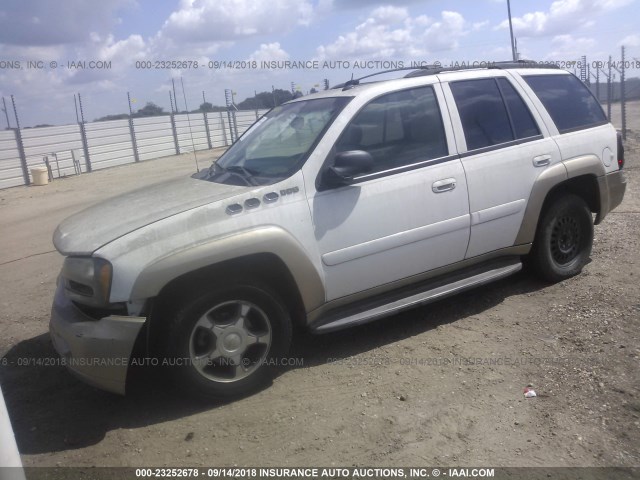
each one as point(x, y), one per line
point(225, 343)
point(563, 240)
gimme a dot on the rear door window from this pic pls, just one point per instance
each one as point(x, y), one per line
point(492, 112)
point(484, 116)
point(524, 125)
point(570, 103)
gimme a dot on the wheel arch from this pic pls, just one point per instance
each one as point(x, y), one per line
point(267, 253)
point(260, 269)
point(579, 176)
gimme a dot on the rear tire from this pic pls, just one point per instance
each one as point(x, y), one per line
point(225, 343)
point(563, 240)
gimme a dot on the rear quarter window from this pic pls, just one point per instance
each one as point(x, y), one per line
point(569, 102)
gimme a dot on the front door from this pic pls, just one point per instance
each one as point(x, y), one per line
point(410, 214)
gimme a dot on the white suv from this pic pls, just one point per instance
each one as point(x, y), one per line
point(336, 209)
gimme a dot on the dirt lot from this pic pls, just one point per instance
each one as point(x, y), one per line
point(440, 385)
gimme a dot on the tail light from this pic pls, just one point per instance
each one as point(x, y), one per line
point(620, 152)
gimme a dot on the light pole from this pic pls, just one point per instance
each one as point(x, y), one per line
point(513, 45)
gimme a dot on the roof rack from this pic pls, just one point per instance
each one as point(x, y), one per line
point(489, 66)
point(356, 81)
point(423, 70)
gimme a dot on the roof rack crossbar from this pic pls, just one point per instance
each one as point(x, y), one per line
point(422, 70)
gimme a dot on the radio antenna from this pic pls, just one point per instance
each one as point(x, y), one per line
point(189, 123)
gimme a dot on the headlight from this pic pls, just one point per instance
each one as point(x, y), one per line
point(87, 280)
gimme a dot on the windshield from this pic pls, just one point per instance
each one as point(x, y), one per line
point(277, 145)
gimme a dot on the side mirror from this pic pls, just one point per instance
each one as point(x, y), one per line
point(346, 166)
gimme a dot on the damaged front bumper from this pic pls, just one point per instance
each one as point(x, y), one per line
point(97, 351)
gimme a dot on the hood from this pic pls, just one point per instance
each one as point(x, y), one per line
point(90, 229)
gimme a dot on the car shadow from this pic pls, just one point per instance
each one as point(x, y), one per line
point(52, 411)
point(319, 349)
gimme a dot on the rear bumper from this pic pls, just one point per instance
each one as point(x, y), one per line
point(97, 351)
point(612, 187)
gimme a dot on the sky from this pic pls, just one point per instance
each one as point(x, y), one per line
point(51, 50)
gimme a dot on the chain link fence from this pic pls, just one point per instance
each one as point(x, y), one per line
point(608, 82)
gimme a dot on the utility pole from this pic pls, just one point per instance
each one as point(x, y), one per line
point(231, 114)
point(597, 77)
point(6, 114)
point(513, 45)
point(83, 135)
point(623, 97)
point(175, 99)
point(609, 90)
point(584, 70)
point(206, 121)
point(21, 152)
point(132, 131)
point(75, 101)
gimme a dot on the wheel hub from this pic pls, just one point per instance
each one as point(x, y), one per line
point(565, 240)
point(232, 342)
point(566, 243)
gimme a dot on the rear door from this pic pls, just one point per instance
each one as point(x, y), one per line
point(504, 146)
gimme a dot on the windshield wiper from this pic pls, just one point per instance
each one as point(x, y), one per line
point(239, 169)
point(235, 170)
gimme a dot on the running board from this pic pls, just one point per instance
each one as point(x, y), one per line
point(421, 298)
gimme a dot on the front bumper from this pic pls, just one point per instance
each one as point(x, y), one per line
point(97, 351)
point(612, 187)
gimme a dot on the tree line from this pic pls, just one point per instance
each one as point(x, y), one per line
point(260, 101)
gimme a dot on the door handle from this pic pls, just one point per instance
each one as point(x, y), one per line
point(541, 160)
point(445, 185)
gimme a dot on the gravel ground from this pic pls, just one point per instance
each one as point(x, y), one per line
point(439, 385)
